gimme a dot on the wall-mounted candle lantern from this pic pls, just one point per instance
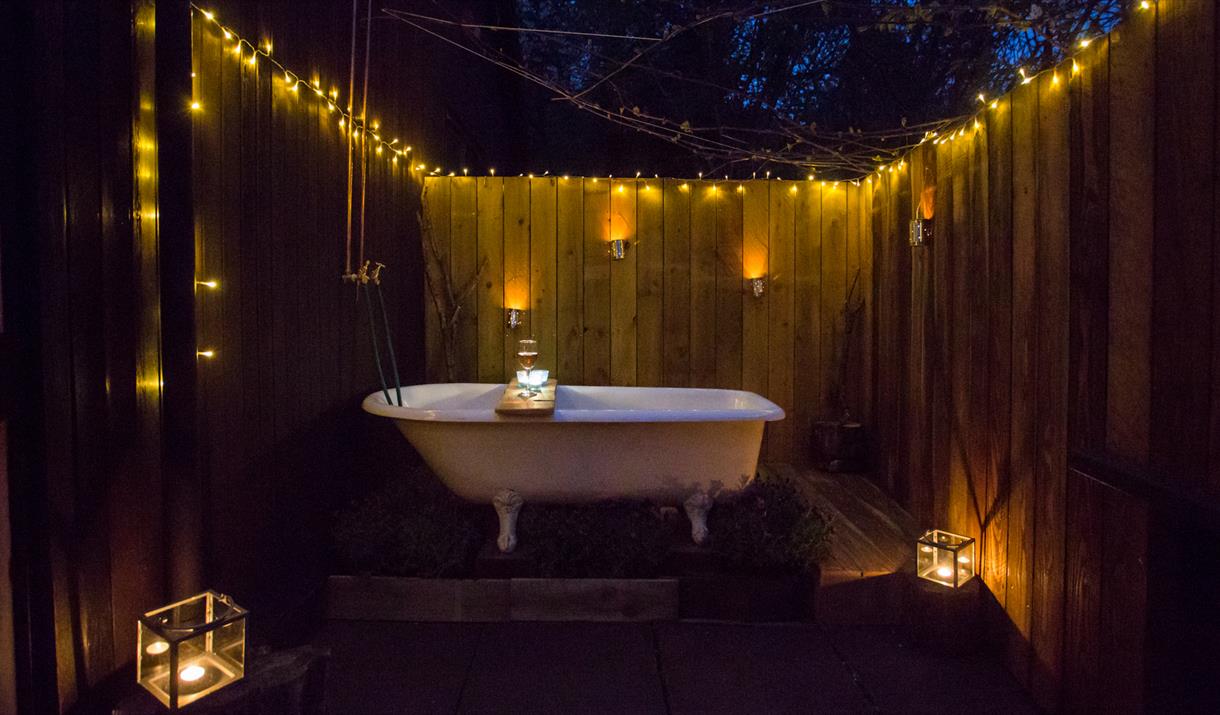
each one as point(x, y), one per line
point(945, 558)
point(921, 231)
point(758, 286)
point(191, 648)
point(618, 249)
point(512, 318)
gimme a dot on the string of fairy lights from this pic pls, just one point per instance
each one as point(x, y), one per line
point(371, 131)
point(360, 129)
point(1070, 66)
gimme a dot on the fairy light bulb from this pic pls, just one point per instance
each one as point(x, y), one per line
point(211, 16)
point(191, 673)
point(196, 106)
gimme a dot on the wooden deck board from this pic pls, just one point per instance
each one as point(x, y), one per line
point(873, 535)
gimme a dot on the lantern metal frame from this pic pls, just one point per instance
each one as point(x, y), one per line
point(170, 635)
point(945, 558)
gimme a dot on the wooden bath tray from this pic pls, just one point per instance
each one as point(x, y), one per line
point(540, 405)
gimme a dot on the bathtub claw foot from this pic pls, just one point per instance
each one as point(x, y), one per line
point(697, 506)
point(508, 505)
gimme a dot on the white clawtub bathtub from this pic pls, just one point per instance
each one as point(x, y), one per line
point(667, 445)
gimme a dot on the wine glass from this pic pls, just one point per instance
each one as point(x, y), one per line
point(527, 355)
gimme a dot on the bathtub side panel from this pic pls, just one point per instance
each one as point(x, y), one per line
point(586, 461)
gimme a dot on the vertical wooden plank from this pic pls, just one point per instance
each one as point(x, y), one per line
point(961, 475)
point(623, 225)
point(729, 240)
point(463, 262)
point(677, 307)
point(940, 356)
point(780, 314)
point(852, 345)
point(884, 220)
point(834, 292)
point(703, 285)
point(868, 286)
point(543, 195)
point(569, 280)
point(1089, 206)
point(1182, 245)
point(999, 358)
point(1024, 420)
point(755, 212)
point(1051, 392)
point(1083, 661)
point(982, 479)
point(516, 266)
point(807, 317)
point(491, 281)
point(917, 414)
point(1132, 154)
point(650, 283)
point(1124, 592)
point(438, 217)
point(597, 283)
point(900, 210)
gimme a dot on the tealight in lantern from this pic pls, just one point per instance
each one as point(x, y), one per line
point(191, 648)
point(945, 558)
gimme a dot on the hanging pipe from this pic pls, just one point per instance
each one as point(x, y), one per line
point(385, 390)
point(389, 342)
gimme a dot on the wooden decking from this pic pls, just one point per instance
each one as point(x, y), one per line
point(872, 551)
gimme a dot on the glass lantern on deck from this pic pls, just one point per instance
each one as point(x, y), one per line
point(945, 558)
point(191, 648)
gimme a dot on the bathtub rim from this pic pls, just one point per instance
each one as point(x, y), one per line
point(763, 410)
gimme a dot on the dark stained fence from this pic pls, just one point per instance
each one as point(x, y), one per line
point(280, 431)
point(1065, 310)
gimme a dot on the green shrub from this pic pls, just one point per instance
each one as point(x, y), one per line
point(406, 528)
point(613, 539)
point(768, 528)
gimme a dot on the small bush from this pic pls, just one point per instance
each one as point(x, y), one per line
point(407, 529)
point(613, 539)
point(768, 529)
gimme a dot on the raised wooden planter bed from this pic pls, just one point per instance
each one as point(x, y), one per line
point(712, 596)
point(383, 598)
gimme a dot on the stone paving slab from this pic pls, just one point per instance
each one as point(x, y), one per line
point(676, 667)
point(564, 668)
point(382, 667)
point(728, 668)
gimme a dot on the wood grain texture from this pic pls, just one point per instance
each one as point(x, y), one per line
point(999, 357)
point(650, 284)
point(1051, 397)
point(569, 280)
point(517, 214)
point(756, 214)
point(463, 265)
point(729, 244)
point(490, 243)
point(807, 314)
point(677, 302)
point(1024, 416)
point(542, 263)
point(1182, 248)
point(623, 273)
point(703, 285)
point(596, 343)
point(1132, 155)
point(781, 309)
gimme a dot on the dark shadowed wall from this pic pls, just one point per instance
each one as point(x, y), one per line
point(1052, 362)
